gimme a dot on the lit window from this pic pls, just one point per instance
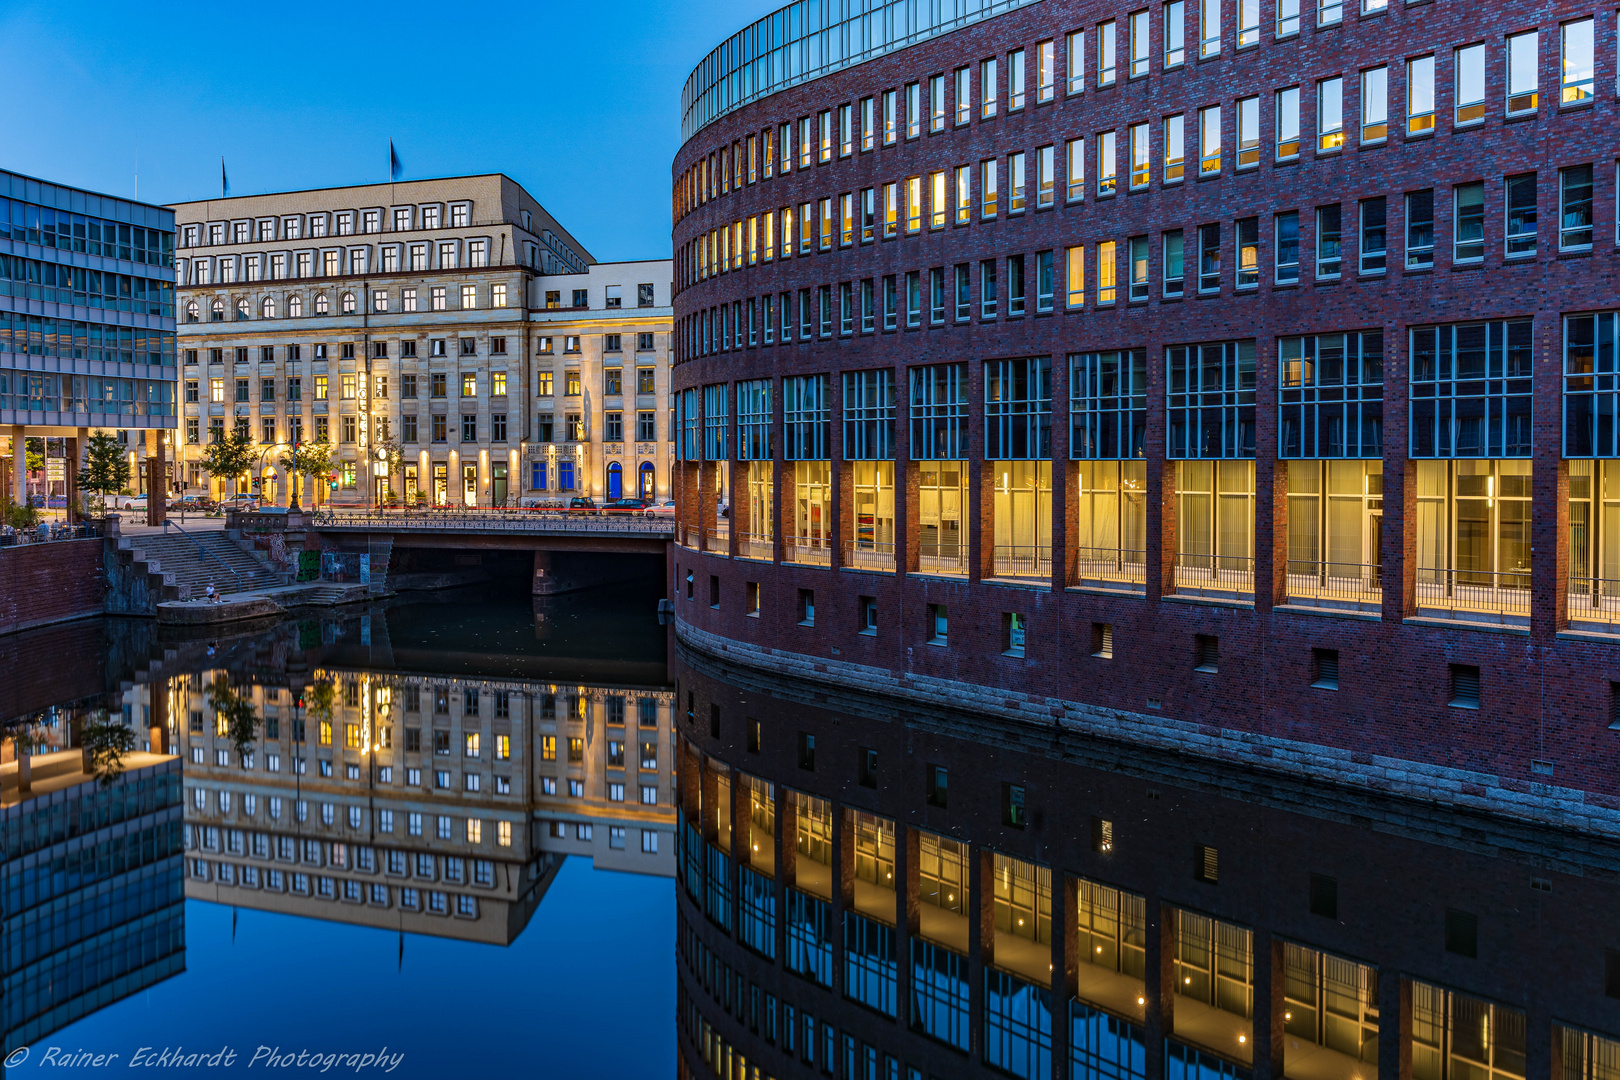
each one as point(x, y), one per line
point(1375, 105)
point(1330, 114)
point(1579, 81)
point(1209, 141)
point(1522, 57)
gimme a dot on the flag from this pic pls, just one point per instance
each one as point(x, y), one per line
point(394, 167)
point(224, 181)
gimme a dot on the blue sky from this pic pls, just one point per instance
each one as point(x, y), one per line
point(578, 102)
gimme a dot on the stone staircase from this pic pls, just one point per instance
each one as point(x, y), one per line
point(191, 562)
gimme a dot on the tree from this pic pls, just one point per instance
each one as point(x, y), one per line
point(392, 457)
point(308, 459)
point(105, 741)
point(236, 711)
point(106, 467)
point(231, 455)
point(34, 452)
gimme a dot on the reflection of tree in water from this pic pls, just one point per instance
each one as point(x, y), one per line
point(105, 741)
point(234, 712)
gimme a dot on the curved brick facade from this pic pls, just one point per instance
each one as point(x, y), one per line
point(1425, 582)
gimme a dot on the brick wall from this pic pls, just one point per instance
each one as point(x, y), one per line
point(1546, 694)
point(44, 583)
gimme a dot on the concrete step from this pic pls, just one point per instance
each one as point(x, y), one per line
point(179, 556)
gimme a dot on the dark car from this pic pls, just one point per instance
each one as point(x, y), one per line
point(581, 503)
point(620, 507)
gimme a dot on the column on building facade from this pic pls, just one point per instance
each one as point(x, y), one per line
point(1398, 543)
point(156, 479)
point(73, 444)
point(1549, 485)
point(1062, 530)
point(19, 464)
point(979, 514)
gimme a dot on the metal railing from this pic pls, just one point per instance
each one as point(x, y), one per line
point(1499, 595)
point(1349, 586)
point(1219, 576)
point(1594, 604)
point(1022, 561)
point(816, 550)
point(689, 536)
point(869, 554)
point(756, 546)
point(508, 519)
point(167, 525)
point(48, 532)
point(937, 558)
point(717, 539)
point(1110, 567)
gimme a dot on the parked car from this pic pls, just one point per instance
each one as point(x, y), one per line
point(126, 502)
point(621, 507)
point(582, 502)
point(242, 500)
point(195, 504)
point(661, 509)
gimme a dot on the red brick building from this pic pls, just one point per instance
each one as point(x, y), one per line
point(1234, 377)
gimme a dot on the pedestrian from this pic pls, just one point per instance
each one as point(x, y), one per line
point(213, 597)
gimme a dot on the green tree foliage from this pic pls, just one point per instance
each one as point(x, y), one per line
point(236, 710)
point(105, 741)
point(106, 466)
point(310, 459)
point(230, 457)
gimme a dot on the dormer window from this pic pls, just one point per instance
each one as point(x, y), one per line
point(460, 215)
point(371, 221)
point(430, 217)
point(345, 224)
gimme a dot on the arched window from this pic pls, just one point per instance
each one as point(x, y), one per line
point(191, 311)
point(267, 310)
point(295, 306)
point(241, 307)
point(348, 303)
point(615, 480)
point(648, 484)
point(320, 304)
point(216, 311)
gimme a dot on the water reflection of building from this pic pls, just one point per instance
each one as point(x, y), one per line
point(866, 897)
point(91, 904)
point(430, 803)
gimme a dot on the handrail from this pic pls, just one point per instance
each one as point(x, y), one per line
point(204, 551)
point(536, 520)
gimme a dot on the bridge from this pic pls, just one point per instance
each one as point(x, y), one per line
point(562, 549)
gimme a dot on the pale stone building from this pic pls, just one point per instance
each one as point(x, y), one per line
point(401, 316)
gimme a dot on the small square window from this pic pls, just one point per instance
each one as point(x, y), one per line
point(938, 786)
point(1325, 669)
point(752, 593)
point(1462, 933)
point(1206, 652)
point(1012, 633)
point(1464, 686)
point(867, 606)
point(938, 624)
point(1206, 864)
point(1102, 640)
point(807, 607)
point(1013, 810)
point(1325, 896)
point(1102, 835)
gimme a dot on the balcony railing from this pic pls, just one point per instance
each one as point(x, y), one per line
point(717, 539)
point(1023, 561)
point(1346, 586)
point(1111, 568)
point(1474, 595)
point(1223, 577)
point(869, 555)
point(756, 546)
point(1594, 604)
point(816, 550)
point(937, 558)
point(689, 536)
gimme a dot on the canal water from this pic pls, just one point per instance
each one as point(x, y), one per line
point(469, 834)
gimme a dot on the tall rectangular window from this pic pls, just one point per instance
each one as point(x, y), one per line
point(1209, 391)
point(1107, 45)
point(1043, 281)
point(914, 209)
point(1045, 175)
point(1018, 409)
point(891, 120)
point(989, 196)
point(1330, 397)
point(1375, 105)
point(1015, 286)
point(937, 205)
point(1075, 151)
point(1288, 124)
point(1575, 208)
point(989, 90)
point(1329, 115)
point(1075, 275)
point(1015, 183)
point(1591, 398)
point(1139, 43)
point(1209, 141)
point(869, 415)
point(1107, 272)
point(1246, 232)
point(1522, 57)
point(1248, 147)
point(868, 131)
point(1141, 166)
point(964, 293)
point(1106, 163)
point(1108, 405)
point(1520, 197)
point(1175, 148)
point(1420, 96)
point(1469, 62)
point(1248, 28)
point(1468, 228)
point(1373, 235)
point(1174, 268)
point(1287, 247)
point(1209, 258)
point(1578, 74)
point(989, 293)
point(1138, 268)
point(964, 95)
point(1015, 81)
point(1329, 12)
point(1471, 390)
point(1175, 33)
point(936, 103)
point(846, 130)
point(1044, 75)
point(1419, 229)
point(1209, 27)
point(1287, 18)
point(1329, 241)
point(939, 412)
point(1074, 60)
